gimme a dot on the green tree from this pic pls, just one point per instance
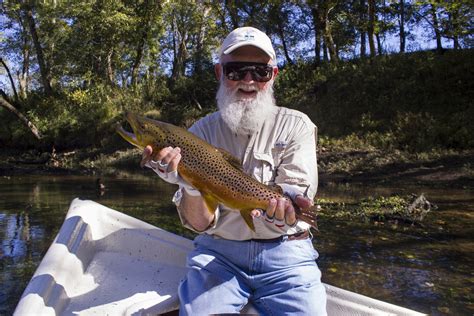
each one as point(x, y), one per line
point(147, 27)
point(323, 14)
point(44, 64)
point(457, 23)
point(189, 40)
point(447, 19)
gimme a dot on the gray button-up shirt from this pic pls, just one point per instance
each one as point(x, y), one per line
point(282, 152)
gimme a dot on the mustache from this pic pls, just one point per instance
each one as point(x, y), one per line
point(247, 87)
point(240, 85)
point(244, 87)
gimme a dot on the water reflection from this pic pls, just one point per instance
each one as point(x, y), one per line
point(427, 268)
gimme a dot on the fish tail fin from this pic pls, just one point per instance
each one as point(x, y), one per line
point(248, 218)
point(308, 216)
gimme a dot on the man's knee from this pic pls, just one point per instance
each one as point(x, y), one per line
point(204, 292)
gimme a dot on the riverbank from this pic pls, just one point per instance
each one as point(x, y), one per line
point(441, 168)
point(436, 168)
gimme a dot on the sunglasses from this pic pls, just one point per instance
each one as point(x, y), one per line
point(237, 71)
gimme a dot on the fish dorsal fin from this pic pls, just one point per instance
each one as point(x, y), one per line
point(236, 163)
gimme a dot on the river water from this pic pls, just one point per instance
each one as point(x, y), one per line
point(428, 268)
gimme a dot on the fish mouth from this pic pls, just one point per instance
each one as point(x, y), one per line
point(131, 137)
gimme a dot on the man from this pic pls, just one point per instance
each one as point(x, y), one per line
point(274, 266)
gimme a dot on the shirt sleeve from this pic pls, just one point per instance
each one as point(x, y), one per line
point(178, 195)
point(298, 173)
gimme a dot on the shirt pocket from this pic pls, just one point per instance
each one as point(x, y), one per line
point(264, 168)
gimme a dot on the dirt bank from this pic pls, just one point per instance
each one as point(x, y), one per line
point(447, 169)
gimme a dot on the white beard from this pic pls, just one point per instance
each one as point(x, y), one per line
point(244, 116)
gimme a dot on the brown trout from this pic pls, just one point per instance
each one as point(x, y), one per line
point(214, 172)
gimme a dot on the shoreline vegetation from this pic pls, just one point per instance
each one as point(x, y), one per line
point(442, 167)
point(438, 169)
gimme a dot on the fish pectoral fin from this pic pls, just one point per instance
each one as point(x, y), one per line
point(236, 163)
point(248, 218)
point(211, 202)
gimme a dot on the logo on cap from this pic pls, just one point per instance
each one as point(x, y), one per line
point(249, 37)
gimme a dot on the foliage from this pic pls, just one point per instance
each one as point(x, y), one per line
point(80, 65)
point(416, 101)
point(191, 98)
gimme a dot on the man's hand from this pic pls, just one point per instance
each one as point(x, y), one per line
point(168, 156)
point(281, 211)
point(165, 164)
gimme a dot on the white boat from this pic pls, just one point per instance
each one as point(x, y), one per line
point(103, 262)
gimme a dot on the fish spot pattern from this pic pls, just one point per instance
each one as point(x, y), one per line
point(209, 164)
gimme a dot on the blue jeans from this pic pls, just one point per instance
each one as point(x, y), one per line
point(278, 278)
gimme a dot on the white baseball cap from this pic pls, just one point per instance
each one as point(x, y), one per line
point(244, 36)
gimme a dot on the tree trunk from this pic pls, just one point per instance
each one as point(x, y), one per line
point(434, 15)
point(221, 12)
point(179, 52)
point(23, 75)
point(283, 41)
point(24, 120)
point(371, 27)
point(44, 69)
point(363, 44)
point(453, 21)
point(110, 73)
point(199, 55)
point(325, 52)
point(402, 26)
point(328, 39)
point(379, 44)
point(12, 83)
point(363, 37)
point(151, 71)
point(317, 35)
point(138, 59)
point(318, 47)
point(143, 29)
